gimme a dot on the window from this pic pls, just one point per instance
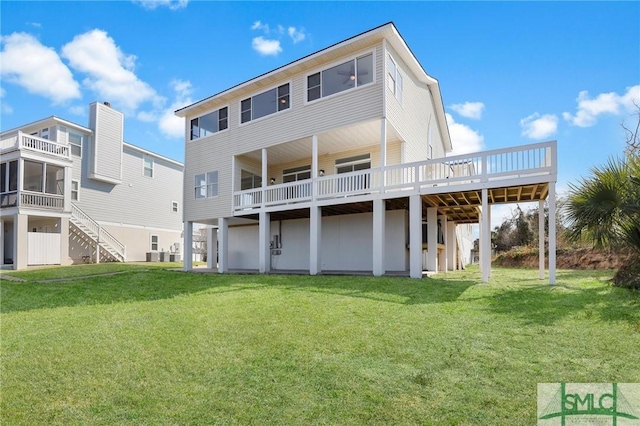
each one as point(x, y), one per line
point(265, 103)
point(249, 180)
point(44, 133)
point(42, 177)
point(75, 190)
point(206, 185)
point(174, 206)
point(296, 173)
point(9, 183)
point(395, 80)
point(147, 167)
point(347, 75)
point(154, 242)
point(210, 123)
point(352, 164)
point(75, 143)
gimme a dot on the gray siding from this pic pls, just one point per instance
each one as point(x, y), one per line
point(138, 200)
point(414, 115)
point(301, 120)
point(106, 145)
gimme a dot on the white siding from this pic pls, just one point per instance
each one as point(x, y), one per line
point(106, 144)
point(299, 121)
point(411, 118)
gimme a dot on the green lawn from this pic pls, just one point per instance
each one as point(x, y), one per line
point(153, 346)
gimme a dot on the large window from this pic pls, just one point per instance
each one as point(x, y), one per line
point(210, 123)
point(265, 103)
point(75, 143)
point(395, 79)
point(296, 173)
point(9, 183)
point(206, 185)
point(249, 180)
point(347, 75)
point(41, 177)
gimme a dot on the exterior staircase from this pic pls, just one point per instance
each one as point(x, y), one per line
point(110, 248)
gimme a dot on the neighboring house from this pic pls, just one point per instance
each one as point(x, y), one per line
point(337, 162)
point(73, 194)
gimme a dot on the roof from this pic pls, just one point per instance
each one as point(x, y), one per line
point(153, 154)
point(43, 121)
point(386, 31)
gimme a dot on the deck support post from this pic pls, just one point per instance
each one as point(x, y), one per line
point(212, 247)
point(552, 233)
point(415, 236)
point(443, 264)
point(452, 245)
point(541, 235)
point(264, 242)
point(379, 212)
point(315, 240)
point(432, 239)
point(188, 245)
point(485, 237)
point(223, 245)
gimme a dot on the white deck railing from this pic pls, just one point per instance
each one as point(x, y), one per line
point(41, 200)
point(19, 140)
point(489, 166)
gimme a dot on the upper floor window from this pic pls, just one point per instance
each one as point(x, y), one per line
point(296, 173)
point(249, 180)
point(210, 123)
point(347, 75)
point(206, 185)
point(352, 164)
point(8, 183)
point(75, 143)
point(75, 190)
point(147, 167)
point(265, 103)
point(395, 79)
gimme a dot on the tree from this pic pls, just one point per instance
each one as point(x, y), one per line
point(605, 207)
point(633, 134)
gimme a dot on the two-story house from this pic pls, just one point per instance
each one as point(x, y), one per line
point(337, 162)
point(73, 194)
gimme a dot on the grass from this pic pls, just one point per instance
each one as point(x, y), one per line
point(72, 271)
point(152, 346)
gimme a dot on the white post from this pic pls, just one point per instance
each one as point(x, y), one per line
point(485, 237)
point(212, 247)
point(264, 242)
point(415, 236)
point(314, 166)
point(2, 241)
point(223, 253)
point(552, 233)
point(442, 258)
point(452, 244)
point(541, 238)
point(188, 246)
point(383, 152)
point(265, 171)
point(432, 239)
point(379, 213)
point(315, 240)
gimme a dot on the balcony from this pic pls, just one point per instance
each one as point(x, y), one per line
point(20, 141)
point(29, 199)
point(523, 165)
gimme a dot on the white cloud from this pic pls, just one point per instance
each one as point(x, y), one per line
point(463, 138)
point(469, 109)
point(35, 24)
point(109, 71)
point(27, 63)
point(589, 108)
point(297, 35)
point(266, 46)
point(260, 26)
point(169, 124)
point(77, 110)
point(5, 108)
point(154, 4)
point(538, 126)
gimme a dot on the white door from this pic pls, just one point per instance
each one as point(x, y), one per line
point(44, 248)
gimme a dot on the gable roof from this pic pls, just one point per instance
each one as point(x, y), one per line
point(386, 31)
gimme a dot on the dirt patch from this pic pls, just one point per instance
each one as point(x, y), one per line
point(582, 258)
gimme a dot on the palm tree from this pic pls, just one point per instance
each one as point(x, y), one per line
point(605, 207)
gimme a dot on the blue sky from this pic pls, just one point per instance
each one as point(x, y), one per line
point(510, 73)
